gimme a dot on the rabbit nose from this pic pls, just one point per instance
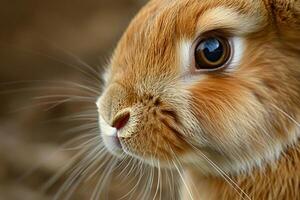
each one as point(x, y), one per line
point(121, 120)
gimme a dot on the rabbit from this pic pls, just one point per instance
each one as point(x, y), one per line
point(213, 87)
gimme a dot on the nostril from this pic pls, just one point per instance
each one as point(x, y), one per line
point(121, 120)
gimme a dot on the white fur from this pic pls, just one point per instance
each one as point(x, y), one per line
point(237, 53)
point(106, 129)
point(184, 54)
point(106, 75)
point(224, 17)
point(185, 51)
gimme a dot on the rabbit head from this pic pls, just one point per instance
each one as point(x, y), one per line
point(201, 82)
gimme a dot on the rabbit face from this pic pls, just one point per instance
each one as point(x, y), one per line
point(198, 81)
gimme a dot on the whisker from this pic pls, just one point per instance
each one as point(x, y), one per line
point(76, 172)
point(287, 115)
point(84, 127)
point(103, 179)
point(59, 85)
point(160, 180)
point(87, 115)
point(158, 183)
point(60, 149)
point(53, 58)
point(125, 168)
point(82, 145)
point(76, 58)
point(61, 172)
point(63, 96)
point(179, 172)
point(49, 183)
point(82, 175)
point(224, 175)
point(134, 188)
point(103, 163)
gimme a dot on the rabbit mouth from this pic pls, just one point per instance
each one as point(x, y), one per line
point(113, 144)
point(110, 137)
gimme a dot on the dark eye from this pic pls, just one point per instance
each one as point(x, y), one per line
point(212, 53)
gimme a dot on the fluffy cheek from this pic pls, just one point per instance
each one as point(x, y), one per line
point(232, 119)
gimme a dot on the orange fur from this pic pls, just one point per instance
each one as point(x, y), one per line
point(279, 181)
point(242, 120)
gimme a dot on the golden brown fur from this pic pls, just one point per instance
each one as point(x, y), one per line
point(241, 120)
point(281, 181)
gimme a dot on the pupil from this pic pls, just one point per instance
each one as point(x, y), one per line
point(213, 49)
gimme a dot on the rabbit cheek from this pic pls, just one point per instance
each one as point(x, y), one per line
point(231, 118)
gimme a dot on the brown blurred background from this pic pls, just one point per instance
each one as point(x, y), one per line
point(37, 39)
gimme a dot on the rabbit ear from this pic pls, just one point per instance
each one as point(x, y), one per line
point(286, 15)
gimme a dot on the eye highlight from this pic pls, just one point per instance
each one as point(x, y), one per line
point(212, 53)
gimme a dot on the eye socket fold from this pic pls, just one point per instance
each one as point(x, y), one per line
point(212, 53)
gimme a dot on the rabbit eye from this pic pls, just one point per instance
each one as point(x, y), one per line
point(212, 53)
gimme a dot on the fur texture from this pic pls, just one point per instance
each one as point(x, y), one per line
point(242, 121)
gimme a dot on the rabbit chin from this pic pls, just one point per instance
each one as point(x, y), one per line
point(118, 148)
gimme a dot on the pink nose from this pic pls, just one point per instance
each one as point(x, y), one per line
point(121, 121)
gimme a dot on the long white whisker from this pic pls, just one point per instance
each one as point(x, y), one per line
point(77, 67)
point(104, 177)
point(60, 173)
point(180, 174)
point(76, 58)
point(287, 115)
point(76, 173)
point(134, 188)
point(224, 175)
point(182, 178)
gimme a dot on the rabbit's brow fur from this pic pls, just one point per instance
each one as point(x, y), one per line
point(245, 120)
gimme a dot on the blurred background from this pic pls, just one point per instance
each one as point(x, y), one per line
point(50, 51)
